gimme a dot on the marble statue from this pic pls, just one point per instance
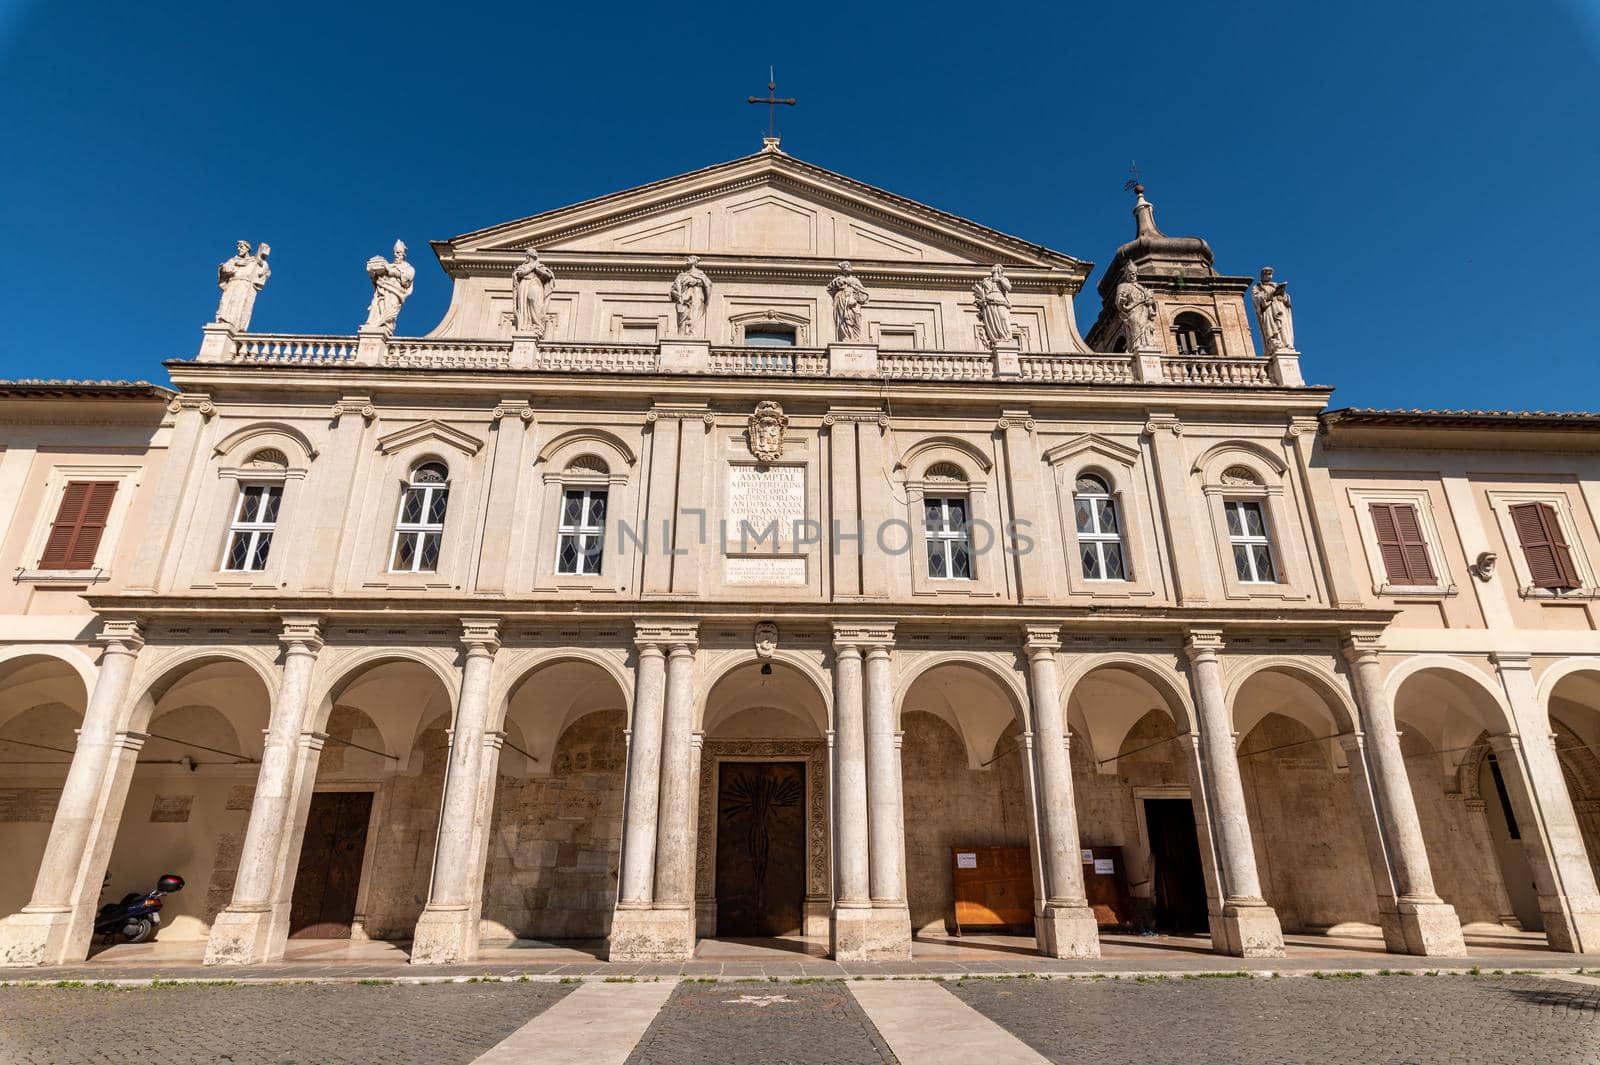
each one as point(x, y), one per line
point(691, 293)
point(391, 284)
point(1273, 312)
point(765, 431)
point(240, 278)
point(849, 296)
point(1136, 306)
point(531, 283)
point(993, 295)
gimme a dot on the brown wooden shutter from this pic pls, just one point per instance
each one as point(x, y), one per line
point(79, 524)
point(1401, 543)
point(1549, 556)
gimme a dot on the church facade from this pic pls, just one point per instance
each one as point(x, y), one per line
point(757, 552)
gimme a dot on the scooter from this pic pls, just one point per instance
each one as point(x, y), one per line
point(136, 917)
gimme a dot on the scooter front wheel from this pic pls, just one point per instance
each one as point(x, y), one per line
point(139, 930)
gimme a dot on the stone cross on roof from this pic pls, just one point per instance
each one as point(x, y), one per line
point(772, 100)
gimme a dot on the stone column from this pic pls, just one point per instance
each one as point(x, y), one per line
point(890, 933)
point(447, 931)
point(852, 912)
point(1568, 899)
point(655, 922)
point(1067, 927)
point(58, 922)
point(1427, 924)
point(255, 925)
point(1242, 923)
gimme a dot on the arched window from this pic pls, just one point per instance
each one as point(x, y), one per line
point(581, 532)
point(769, 335)
point(1100, 544)
point(1196, 335)
point(946, 521)
point(419, 529)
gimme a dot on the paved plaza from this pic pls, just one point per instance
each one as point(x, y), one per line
point(1325, 1019)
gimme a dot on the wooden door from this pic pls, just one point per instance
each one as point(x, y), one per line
point(1180, 884)
point(329, 875)
point(761, 848)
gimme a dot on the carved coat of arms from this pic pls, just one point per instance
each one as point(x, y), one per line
point(765, 433)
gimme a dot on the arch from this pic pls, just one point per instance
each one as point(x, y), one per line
point(568, 445)
point(1324, 682)
point(27, 675)
point(1415, 665)
point(1241, 452)
point(810, 671)
point(363, 662)
point(1009, 680)
point(1167, 682)
point(507, 682)
point(74, 657)
point(915, 460)
point(1553, 675)
point(239, 445)
point(167, 671)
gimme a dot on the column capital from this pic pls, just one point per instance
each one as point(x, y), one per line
point(480, 635)
point(1041, 640)
point(865, 635)
point(129, 740)
point(1362, 644)
point(669, 634)
point(301, 634)
point(1159, 422)
point(1202, 645)
point(122, 636)
point(1511, 661)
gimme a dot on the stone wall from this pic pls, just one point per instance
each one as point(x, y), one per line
point(1466, 871)
point(407, 825)
point(948, 804)
point(1310, 850)
point(555, 841)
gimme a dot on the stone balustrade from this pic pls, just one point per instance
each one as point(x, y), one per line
point(436, 354)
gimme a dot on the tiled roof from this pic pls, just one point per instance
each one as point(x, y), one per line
point(1521, 419)
point(34, 386)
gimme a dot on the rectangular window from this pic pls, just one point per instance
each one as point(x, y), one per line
point(949, 538)
point(1545, 546)
point(580, 538)
point(1247, 535)
point(419, 531)
point(80, 522)
point(1099, 537)
point(255, 518)
point(639, 333)
point(1401, 544)
point(890, 339)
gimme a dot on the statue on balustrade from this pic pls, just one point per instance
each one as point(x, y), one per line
point(691, 293)
point(240, 278)
point(1136, 306)
point(391, 284)
point(849, 296)
point(531, 283)
point(993, 295)
point(1273, 313)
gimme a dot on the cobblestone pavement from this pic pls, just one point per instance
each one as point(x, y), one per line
point(1323, 1021)
point(439, 1024)
point(752, 1022)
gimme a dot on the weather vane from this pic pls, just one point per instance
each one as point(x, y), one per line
point(772, 101)
point(1133, 184)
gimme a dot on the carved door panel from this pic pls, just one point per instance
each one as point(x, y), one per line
point(1180, 883)
point(761, 848)
point(329, 874)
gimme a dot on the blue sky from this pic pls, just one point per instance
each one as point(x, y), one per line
point(1423, 175)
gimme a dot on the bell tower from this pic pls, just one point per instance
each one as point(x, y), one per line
point(1199, 311)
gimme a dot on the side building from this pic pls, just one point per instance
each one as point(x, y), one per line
point(750, 553)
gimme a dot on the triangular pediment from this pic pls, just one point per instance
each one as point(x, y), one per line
point(764, 205)
point(1094, 444)
point(433, 430)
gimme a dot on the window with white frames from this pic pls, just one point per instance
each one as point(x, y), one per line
point(419, 529)
point(580, 539)
point(1100, 545)
point(1252, 547)
point(945, 523)
point(255, 519)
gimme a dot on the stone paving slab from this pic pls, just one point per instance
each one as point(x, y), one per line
point(1417, 1018)
point(762, 1022)
point(265, 1025)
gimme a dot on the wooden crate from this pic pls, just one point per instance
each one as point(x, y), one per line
point(993, 887)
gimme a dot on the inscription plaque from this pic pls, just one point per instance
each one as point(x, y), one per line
point(765, 504)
